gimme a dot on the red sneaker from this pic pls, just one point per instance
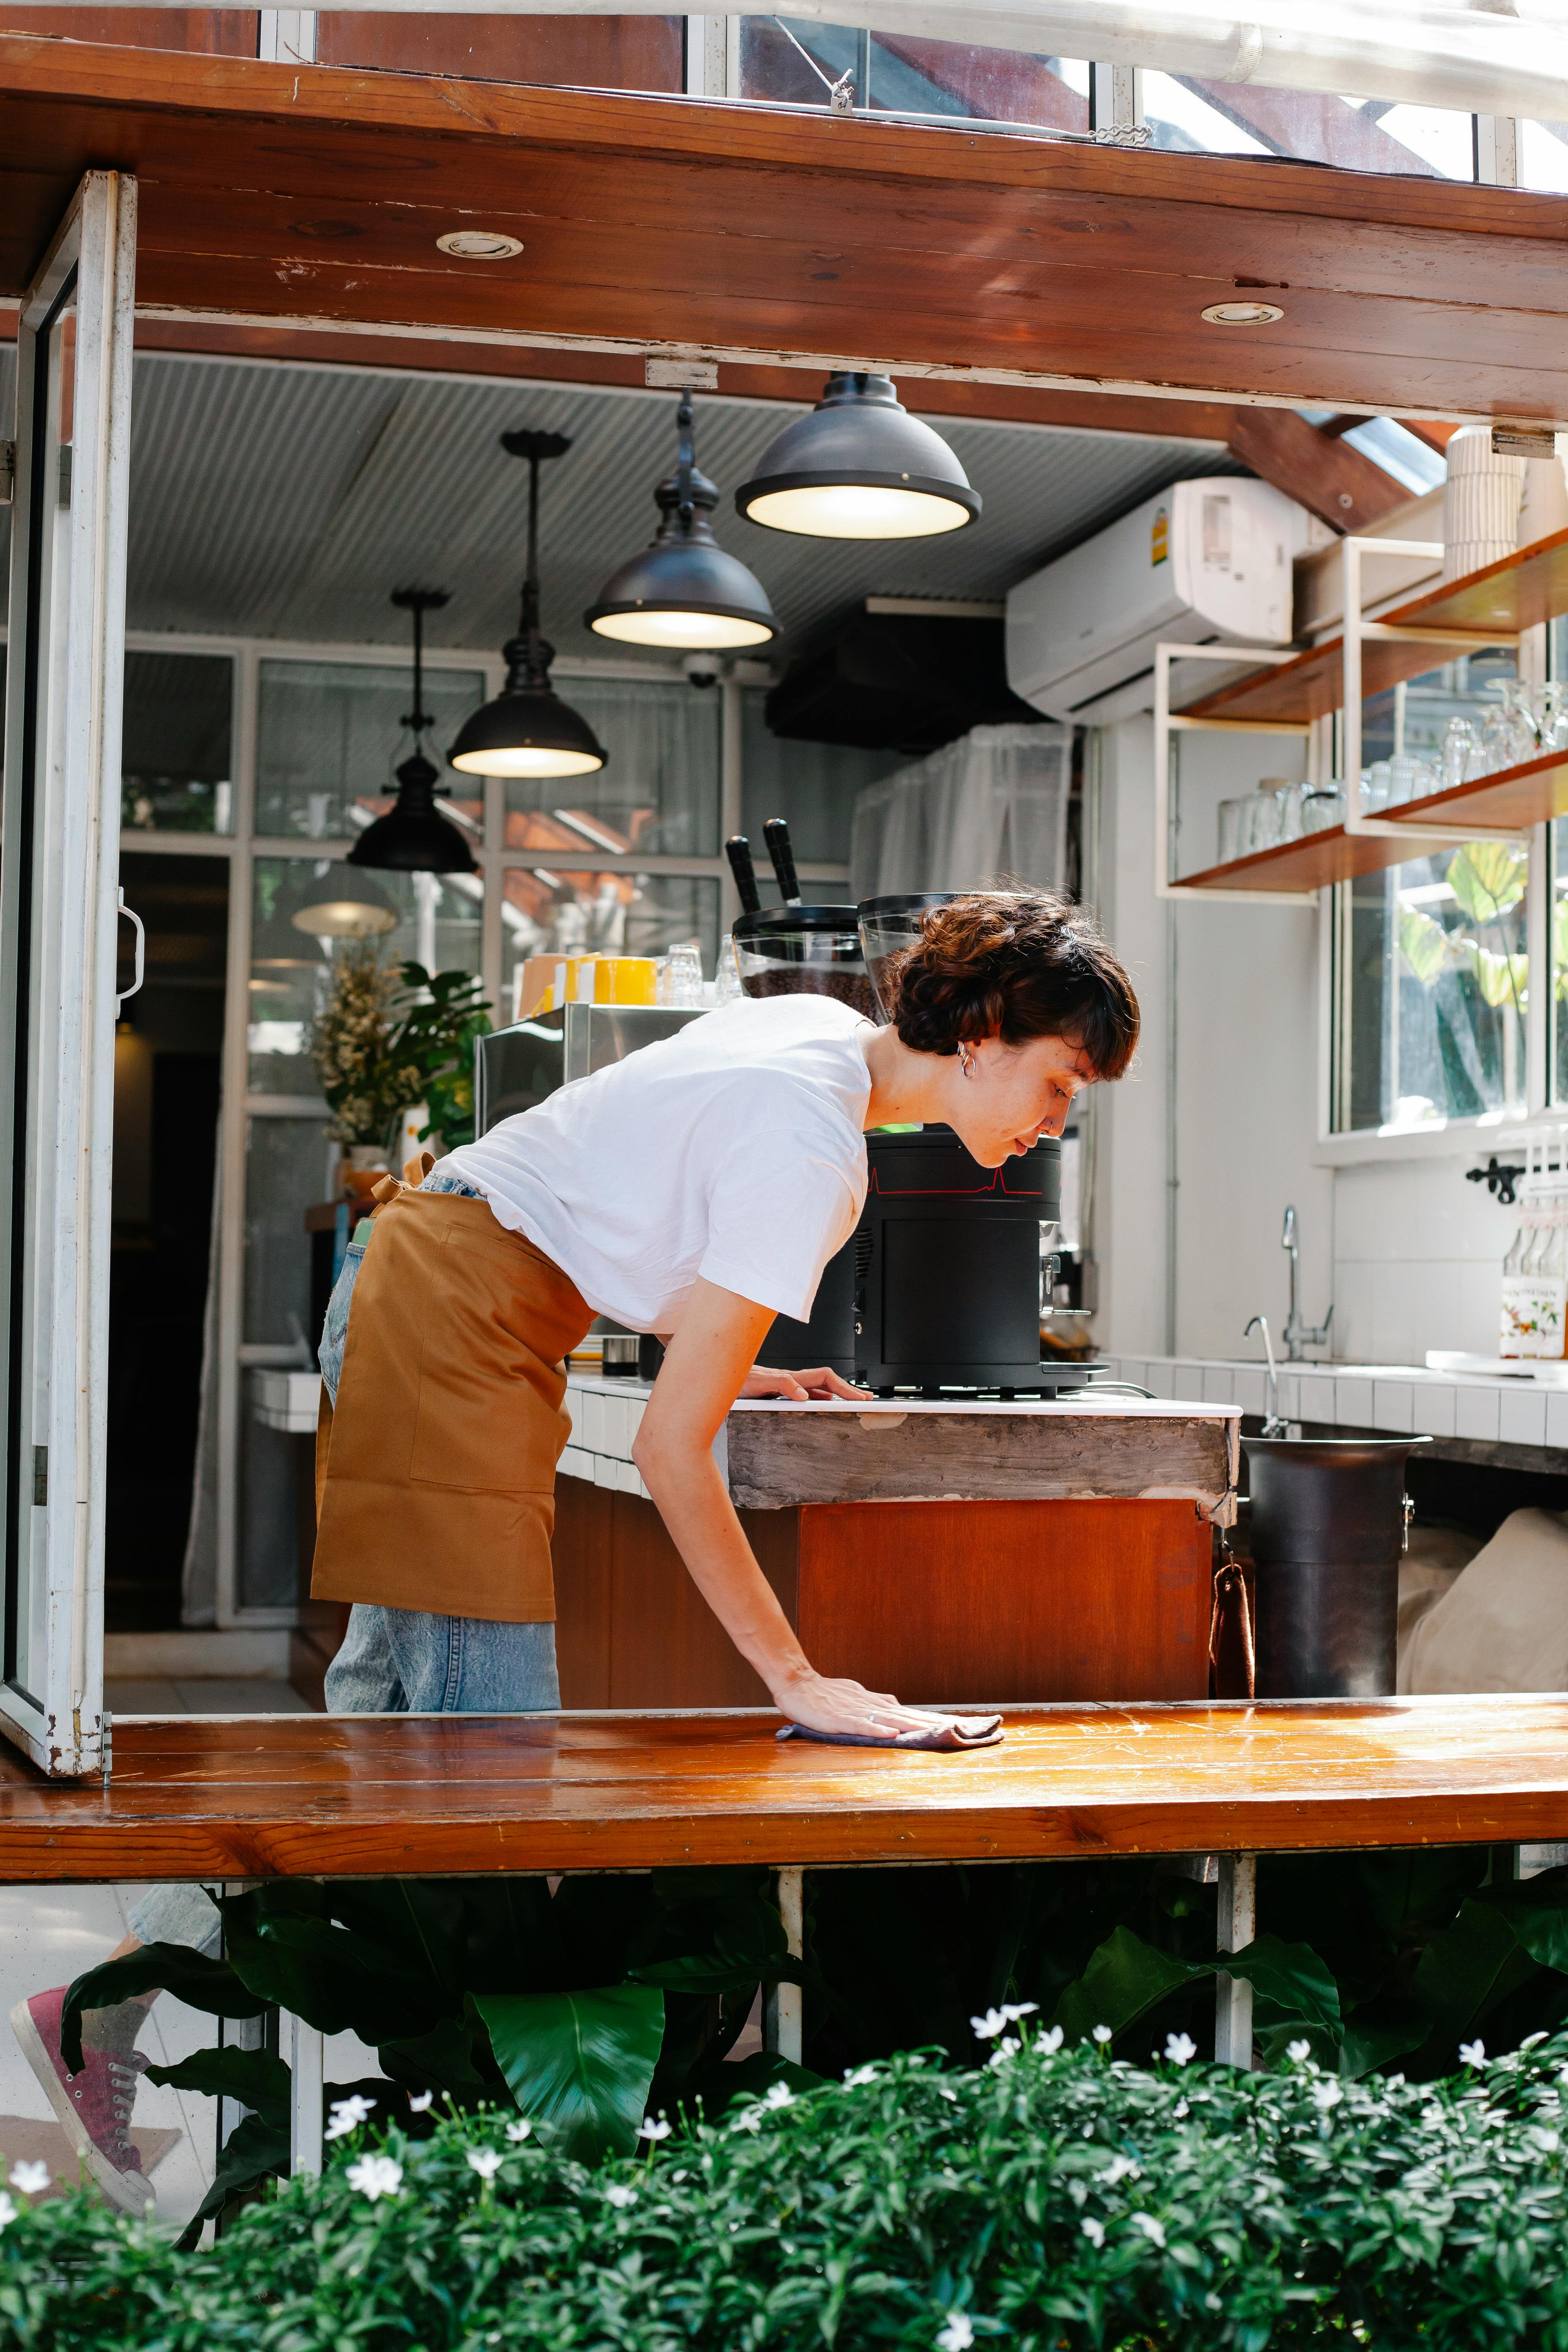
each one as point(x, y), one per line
point(95, 2106)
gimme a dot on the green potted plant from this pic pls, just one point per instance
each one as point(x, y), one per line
point(364, 1080)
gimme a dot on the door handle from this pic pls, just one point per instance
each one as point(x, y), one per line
point(128, 915)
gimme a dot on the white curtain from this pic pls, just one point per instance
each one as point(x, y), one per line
point(992, 807)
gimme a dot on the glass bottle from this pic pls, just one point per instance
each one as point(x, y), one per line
point(1515, 1290)
point(1549, 1288)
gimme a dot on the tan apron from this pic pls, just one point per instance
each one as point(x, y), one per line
point(436, 1475)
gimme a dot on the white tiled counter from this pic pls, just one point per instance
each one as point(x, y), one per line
point(1518, 1408)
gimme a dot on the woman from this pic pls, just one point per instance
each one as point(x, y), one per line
point(697, 1190)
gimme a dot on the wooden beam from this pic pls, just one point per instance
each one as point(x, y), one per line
point(1321, 471)
point(278, 193)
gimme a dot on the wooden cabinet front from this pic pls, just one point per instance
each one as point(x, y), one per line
point(944, 1603)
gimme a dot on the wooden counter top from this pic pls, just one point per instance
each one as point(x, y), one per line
point(253, 1797)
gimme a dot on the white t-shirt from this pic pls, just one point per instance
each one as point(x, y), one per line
point(734, 1150)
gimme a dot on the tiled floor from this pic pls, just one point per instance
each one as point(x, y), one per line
point(50, 1934)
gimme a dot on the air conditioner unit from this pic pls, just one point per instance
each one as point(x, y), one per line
point(1207, 562)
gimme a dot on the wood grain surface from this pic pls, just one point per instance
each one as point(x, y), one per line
point(354, 1796)
point(274, 191)
point(779, 1458)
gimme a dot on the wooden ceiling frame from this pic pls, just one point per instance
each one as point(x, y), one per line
point(306, 202)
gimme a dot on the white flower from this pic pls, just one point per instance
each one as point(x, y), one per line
point(1051, 2041)
point(32, 2180)
point(1120, 2167)
point(1180, 2109)
point(1006, 2048)
point(518, 2131)
point(1472, 2053)
point(619, 2195)
point(648, 2129)
point(375, 2176)
point(1013, 2011)
point(749, 2119)
point(986, 2028)
point(1180, 2049)
point(1149, 2227)
point(1093, 2230)
point(779, 2094)
point(859, 2076)
point(958, 2333)
point(7, 2210)
point(486, 2161)
point(1102, 2034)
point(1546, 2141)
point(347, 2115)
point(1326, 2095)
point(421, 2103)
point(1298, 2052)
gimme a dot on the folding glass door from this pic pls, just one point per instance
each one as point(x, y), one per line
point(59, 826)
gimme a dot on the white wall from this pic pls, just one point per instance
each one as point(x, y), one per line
point(1246, 1064)
point(1418, 1259)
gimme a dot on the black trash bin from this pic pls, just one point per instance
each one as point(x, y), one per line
point(1328, 1529)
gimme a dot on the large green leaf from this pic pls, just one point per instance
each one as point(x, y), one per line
point(1423, 943)
point(441, 2059)
point(1460, 1969)
point(1486, 878)
point(1387, 2026)
point(1127, 1978)
point(1537, 1911)
point(579, 2063)
point(254, 2077)
point(331, 1978)
point(254, 2151)
point(190, 1976)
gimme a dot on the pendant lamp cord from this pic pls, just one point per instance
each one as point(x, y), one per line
point(686, 458)
point(418, 718)
point(539, 654)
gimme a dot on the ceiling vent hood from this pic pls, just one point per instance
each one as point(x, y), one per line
point(902, 674)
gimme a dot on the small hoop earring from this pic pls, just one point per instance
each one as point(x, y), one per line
point(966, 1061)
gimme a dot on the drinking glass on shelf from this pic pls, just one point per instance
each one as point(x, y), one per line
point(1490, 753)
point(1458, 747)
point(1522, 739)
point(1374, 786)
point(1232, 816)
point(1405, 773)
point(1323, 808)
point(1552, 719)
point(1287, 798)
point(1263, 819)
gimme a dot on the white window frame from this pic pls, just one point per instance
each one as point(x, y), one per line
point(57, 951)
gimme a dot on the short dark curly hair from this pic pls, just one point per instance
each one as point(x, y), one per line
point(1013, 965)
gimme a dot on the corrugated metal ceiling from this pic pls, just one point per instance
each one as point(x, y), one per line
point(289, 502)
point(284, 501)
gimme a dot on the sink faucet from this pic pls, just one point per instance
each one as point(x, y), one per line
point(1274, 1425)
point(1296, 1333)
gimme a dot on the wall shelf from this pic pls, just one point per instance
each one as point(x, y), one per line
point(1523, 589)
point(1531, 794)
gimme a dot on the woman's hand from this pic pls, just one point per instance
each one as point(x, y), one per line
point(799, 1388)
point(828, 1703)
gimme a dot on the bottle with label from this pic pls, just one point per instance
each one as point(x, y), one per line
point(1515, 1292)
point(1549, 1288)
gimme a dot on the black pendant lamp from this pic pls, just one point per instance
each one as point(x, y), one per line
point(413, 837)
point(683, 591)
point(527, 730)
point(859, 467)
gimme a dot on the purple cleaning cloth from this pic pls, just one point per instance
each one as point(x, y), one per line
point(950, 1735)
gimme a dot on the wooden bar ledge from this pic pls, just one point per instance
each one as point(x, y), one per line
point(374, 1796)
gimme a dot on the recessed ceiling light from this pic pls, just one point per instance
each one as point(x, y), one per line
point(1243, 314)
point(480, 244)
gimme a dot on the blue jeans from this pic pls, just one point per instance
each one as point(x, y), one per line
point(392, 1660)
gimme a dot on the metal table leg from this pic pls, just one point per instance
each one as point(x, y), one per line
point(1237, 1927)
point(782, 2006)
point(302, 2051)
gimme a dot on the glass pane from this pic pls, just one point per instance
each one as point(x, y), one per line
point(1437, 987)
point(1216, 117)
point(659, 792)
point(813, 785)
point(274, 1471)
point(910, 77)
point(287, 1170)
point(1544, 156)
point(175, 752)
point(580, 52)
point(547, 911)
point(330, 735)
point(437, 922)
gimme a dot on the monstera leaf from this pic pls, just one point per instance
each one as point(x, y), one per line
point(579, 2063)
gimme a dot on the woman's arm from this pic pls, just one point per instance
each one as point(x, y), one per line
point(706, 1365)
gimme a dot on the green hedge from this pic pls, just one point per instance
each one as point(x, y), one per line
point(1052, 2197)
